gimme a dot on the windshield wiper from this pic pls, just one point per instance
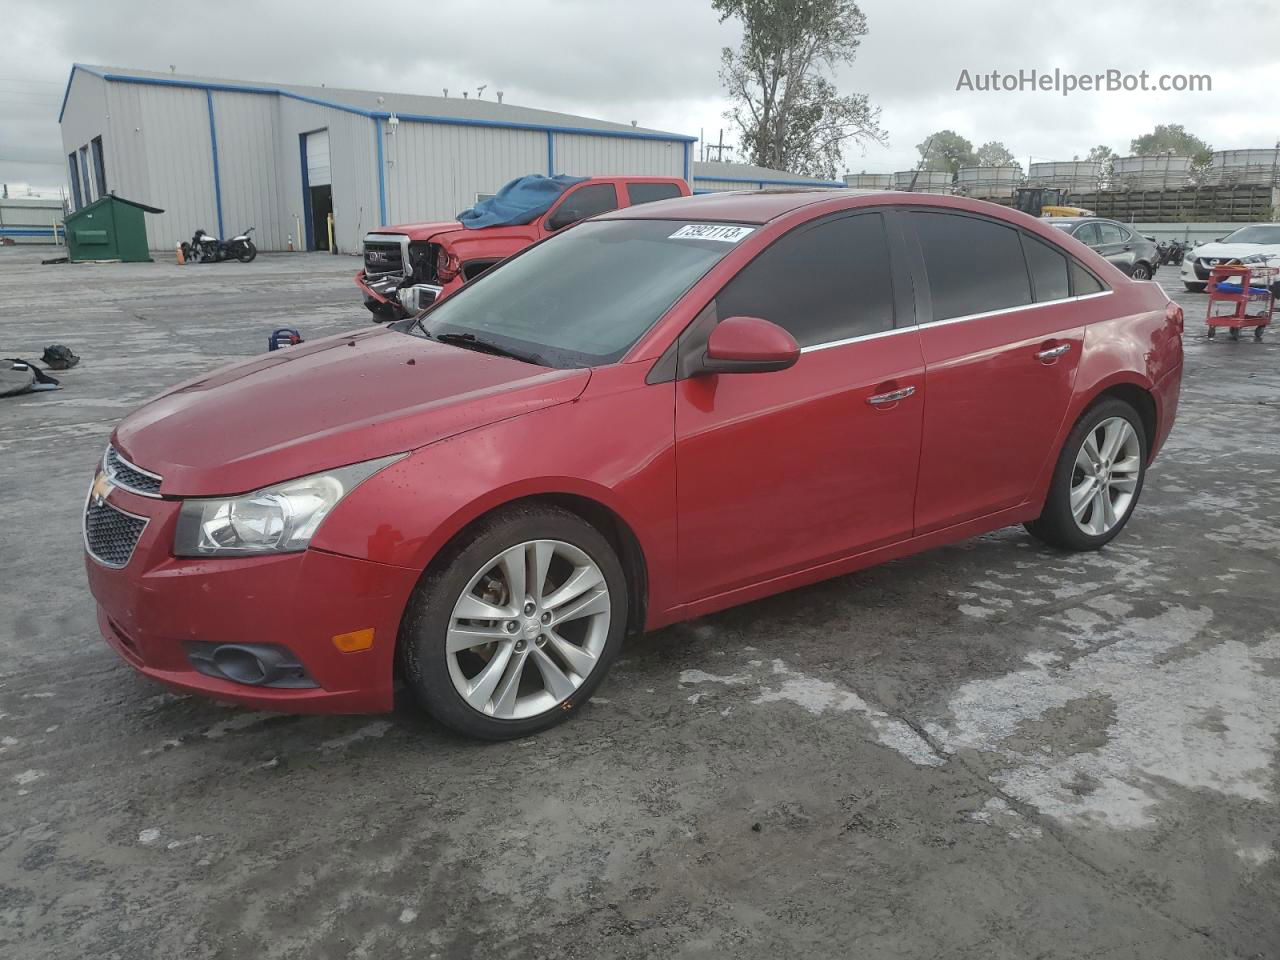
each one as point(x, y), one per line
point(472, 342)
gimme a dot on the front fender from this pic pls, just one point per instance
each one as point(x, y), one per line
point(406, 514)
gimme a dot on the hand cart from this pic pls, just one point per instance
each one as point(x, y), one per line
point(1249, 290)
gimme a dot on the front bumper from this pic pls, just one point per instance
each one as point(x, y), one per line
point(153, 607)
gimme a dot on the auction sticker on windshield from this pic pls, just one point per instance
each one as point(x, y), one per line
point(726, 233)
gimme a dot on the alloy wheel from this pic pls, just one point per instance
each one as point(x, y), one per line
point(1105, 478)
point(528, 629)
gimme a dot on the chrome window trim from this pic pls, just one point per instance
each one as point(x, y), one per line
point(111, 474)
point(84, 531)
point(939, 323)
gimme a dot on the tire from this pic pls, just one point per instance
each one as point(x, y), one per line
point(1194, 287)
point(1057, 525)
point(501, 687)
point(1233, 333)
point(1141, 271)
point(1257, 332)
point(246, 252)
point(382, 312)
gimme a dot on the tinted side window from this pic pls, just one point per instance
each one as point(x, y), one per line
point(1087, 234)
point(1048, 270)
point(1110, 233)
point(822, 283)
point(973, 265)
point(1083, 282)
point(584, 202)
point(649, 192)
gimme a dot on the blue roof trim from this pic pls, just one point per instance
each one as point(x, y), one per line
point(67, 92)
point(379, 114)
point(774, 183)
point(27, 231)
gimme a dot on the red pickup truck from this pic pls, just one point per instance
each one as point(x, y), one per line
point(410, 266)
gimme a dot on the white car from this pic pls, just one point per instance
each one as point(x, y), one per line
point(1257, 243)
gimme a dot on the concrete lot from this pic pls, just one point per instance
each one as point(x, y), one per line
point(987, 751)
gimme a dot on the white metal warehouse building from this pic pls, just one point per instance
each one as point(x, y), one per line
point(225, 156)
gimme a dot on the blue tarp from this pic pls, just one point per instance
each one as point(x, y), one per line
point(523, 200)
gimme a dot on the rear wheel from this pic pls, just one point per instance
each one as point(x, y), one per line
point(1097, 480)
point(1141, 271)
point(1194, 287)
point(514, 630)
point(246, 252)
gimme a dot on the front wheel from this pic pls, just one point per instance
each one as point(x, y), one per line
point(512, 631)
point(246, 252)
point(1194, 287)
point(1097, 480)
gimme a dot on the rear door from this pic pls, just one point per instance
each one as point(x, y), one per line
point(648, 192)
point(1116, 244)
point(778, 472)
point(1001, 345)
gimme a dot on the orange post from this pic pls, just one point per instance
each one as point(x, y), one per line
point(178, 250)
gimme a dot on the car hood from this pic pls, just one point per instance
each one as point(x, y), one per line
point(327, 403)
point(421, 231)
point(1231, 250)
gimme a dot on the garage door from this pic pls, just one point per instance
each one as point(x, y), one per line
point(318, 159)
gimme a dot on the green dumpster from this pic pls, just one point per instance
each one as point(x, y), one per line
point(110, 228)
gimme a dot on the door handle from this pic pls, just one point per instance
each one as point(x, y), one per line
point(893, 396)
point(1053, 353)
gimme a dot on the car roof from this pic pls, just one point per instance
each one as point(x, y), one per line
point(762, 206)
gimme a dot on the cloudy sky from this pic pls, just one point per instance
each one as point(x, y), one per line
point(656, 62)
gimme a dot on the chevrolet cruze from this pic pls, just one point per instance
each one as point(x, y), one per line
point(660, 413)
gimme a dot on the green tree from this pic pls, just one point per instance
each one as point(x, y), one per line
point(1173, 139)
point(993, 153)
point(1107, 157)
point(789, 114)
point(946, 150)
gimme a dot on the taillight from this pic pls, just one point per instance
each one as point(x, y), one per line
point(447, 266)
point(1173, 313)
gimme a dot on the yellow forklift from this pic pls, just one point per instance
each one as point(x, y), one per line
point(1047, 202)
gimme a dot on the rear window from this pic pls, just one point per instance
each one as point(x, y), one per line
point(649, 192)
point(1049, 279)
point(1083, 282)
point(974, 265)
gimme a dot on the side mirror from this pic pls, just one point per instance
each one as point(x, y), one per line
point(565, 216)
point(749, 345)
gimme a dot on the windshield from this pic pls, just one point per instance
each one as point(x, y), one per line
point(1254, 235)
point(584, 297)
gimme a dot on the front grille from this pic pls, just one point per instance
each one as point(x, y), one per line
point(383, 257)
point(110, 534)
point(129, 477)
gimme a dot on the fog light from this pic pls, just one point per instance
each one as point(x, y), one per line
point(253, 664)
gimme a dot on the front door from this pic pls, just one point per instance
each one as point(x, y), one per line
point(778, 472)
point(1000, 356)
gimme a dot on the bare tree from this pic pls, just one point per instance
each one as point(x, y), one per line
point(786, 106)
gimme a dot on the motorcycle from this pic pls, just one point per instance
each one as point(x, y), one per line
point(1171, 252)
point(204, 248)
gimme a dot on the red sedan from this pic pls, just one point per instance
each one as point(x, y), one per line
point(662, 412)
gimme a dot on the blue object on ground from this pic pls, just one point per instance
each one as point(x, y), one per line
point(1237, 288)
point(283, 337)
point(522, 200)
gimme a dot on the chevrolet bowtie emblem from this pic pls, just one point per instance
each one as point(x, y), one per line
point(100, 490)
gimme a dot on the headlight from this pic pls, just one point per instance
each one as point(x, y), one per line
point(279, 519)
